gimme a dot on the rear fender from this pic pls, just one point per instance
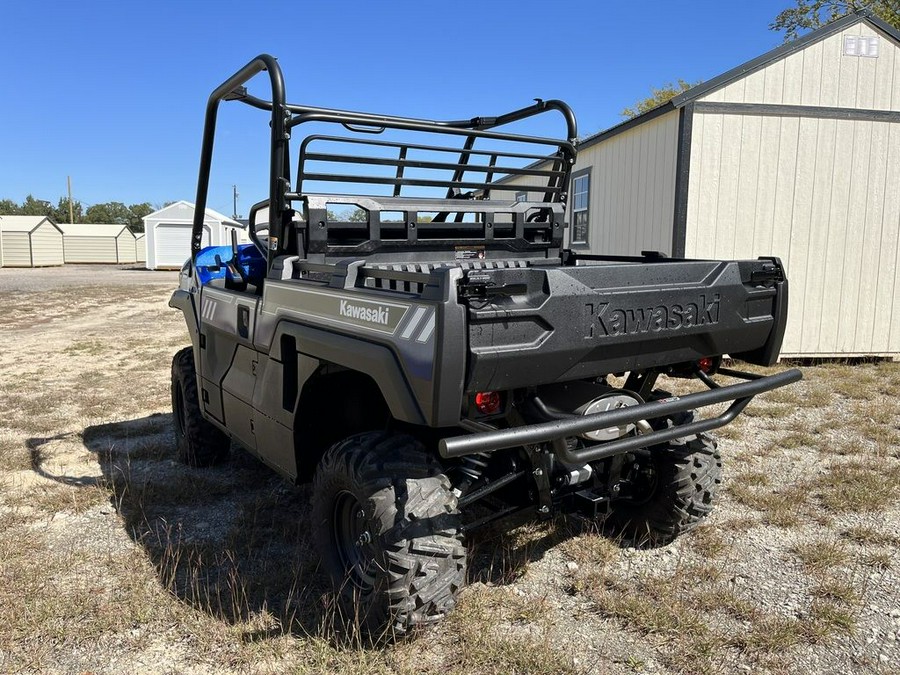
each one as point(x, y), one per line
point(376, 361)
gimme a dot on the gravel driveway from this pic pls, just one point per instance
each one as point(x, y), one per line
point(51, 278)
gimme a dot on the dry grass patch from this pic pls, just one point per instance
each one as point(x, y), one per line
point(731, 432)
point(501, 633)
point(14, 455)
point(860, 385)
point(798, 439)
point(56, 498)
point(86, 348)
point(708, 541)
point(881, 412)
point(770, 634)
point(591, 549)
point(858, 486)
point(869, 536)
point(878, 561)
point(762, 411)
point(777, 635)
point(738, 524)
point(808, 396)
point(783, 506)
point(698, 616)
point(649, 604)
point(821, 555)
point(836, 591)
point(852, 446)
point(752, 478)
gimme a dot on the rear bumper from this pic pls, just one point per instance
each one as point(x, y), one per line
point(556, 431)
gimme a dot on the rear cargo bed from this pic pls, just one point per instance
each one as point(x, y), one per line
point(540, 325)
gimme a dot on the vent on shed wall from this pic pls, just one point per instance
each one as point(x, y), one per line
point(861, 45)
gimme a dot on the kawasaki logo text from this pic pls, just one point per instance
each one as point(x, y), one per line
point(377, 315)
point(656, 319)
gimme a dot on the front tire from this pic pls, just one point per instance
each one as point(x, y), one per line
point(198, 442)
point(388, 529)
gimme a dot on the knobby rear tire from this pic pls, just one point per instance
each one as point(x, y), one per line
point(688, 476)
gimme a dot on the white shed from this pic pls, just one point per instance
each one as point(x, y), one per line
point(98, 243)
point(794, 154)
point(140, 247)
point(30, 241)
point(168, 240)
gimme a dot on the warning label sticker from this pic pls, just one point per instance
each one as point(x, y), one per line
point(470, 252)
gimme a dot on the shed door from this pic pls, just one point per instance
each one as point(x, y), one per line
point(173, 243)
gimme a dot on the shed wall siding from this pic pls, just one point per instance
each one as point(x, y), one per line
point(90, 249)
point(16, 249)
point(125, 248)
point(47, 246)
point(632, 200)
point(822, 195)
point(820, 75)
point(140, 249)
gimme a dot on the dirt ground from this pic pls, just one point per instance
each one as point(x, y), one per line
point(114, 558)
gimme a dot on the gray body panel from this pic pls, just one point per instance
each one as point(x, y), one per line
point(244, 371)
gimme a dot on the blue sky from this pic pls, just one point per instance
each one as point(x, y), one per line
point(113, 93)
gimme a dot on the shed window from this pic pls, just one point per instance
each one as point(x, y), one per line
point(521, 196)
point(581, 201)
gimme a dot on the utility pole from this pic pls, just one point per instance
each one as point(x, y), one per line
point(71, 210)
point(234, 192)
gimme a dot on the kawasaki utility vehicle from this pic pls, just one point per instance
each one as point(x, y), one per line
point(415, 339)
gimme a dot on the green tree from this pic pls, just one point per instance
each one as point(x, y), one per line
point(8, 207)
point(108, 212)
point(36, 207)
point(657, 97)
point(61, 212)
point(138, 211)
point(810, 14)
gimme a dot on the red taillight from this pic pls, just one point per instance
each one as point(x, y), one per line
point(705, 364)
point(487, 402)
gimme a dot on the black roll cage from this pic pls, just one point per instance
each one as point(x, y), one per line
point(287, 116)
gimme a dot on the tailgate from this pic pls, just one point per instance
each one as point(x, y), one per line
point(540, 325)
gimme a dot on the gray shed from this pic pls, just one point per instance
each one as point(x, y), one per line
point(795, 154)
point(98, 243)
point(30, 241)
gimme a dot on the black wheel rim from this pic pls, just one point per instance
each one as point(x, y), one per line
point(178, 410)
point(353, 540)
point(644, 484)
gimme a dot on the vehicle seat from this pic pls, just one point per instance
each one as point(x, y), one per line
point(249, 260)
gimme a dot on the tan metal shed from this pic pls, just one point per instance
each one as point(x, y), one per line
point(140, 247)
point(795, 154)
point(98, 243)
point(30, 241)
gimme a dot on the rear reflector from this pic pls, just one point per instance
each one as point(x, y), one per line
point(487, 402)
